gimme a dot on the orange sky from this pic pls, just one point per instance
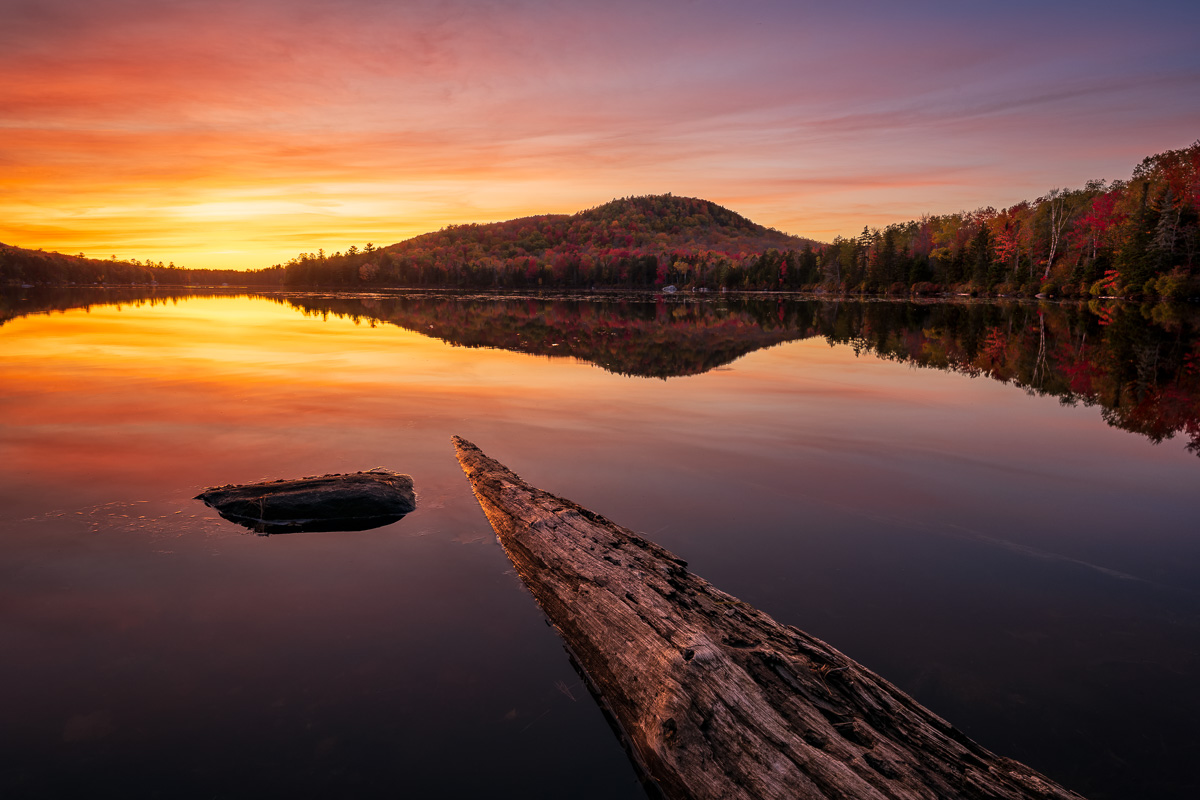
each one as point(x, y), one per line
point(239, 134)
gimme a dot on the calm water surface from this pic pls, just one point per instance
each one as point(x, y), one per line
point(1020, 565)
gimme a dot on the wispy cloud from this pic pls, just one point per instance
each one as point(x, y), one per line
point(264, 127)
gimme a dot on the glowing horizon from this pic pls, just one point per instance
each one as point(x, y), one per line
point(236, 135)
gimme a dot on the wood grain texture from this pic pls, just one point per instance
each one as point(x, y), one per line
point(716, 698)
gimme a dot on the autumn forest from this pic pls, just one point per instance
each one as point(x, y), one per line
point(1128, 238)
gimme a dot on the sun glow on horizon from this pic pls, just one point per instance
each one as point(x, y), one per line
point(238, 135)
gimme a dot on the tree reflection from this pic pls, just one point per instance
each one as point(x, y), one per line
point(1139, 364)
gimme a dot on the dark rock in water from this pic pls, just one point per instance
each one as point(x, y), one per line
point(352, 502)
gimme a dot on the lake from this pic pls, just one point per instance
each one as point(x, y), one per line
point(994, 506)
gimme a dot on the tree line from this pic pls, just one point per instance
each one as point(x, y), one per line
point(21, 266)
point(1129, 238)
point(1134, 238)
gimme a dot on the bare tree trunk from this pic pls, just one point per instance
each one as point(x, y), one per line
point(715, 699)
point(1039, 366)
point(1058, 221)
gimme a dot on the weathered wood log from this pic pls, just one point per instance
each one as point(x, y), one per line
point(352, 502)
point(714, 697)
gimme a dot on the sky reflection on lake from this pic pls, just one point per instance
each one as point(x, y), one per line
point(1026, 570)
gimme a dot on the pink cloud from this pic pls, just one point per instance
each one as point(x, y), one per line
point(121, 112)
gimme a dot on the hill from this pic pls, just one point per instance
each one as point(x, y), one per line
point(1136, 238)
point(21, 266)
point(653, 222)
point(634, 242)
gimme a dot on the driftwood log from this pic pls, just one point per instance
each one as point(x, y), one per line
point(355, 501)
point(714, 698)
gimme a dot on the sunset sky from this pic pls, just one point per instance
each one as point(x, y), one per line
point(238, 134)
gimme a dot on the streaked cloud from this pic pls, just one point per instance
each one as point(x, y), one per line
point(237, 134)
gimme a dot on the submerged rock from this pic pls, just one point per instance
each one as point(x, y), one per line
point(355, 501)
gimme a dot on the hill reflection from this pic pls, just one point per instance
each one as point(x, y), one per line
point(1140, 365)
point(640, 337)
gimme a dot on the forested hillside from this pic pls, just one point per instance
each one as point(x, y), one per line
point(1130, 238)
point(21, 266)
point(637, 242)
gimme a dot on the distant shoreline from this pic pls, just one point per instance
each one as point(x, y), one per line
point(952, 294)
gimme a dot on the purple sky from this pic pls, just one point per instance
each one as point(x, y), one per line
point(240, 133)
